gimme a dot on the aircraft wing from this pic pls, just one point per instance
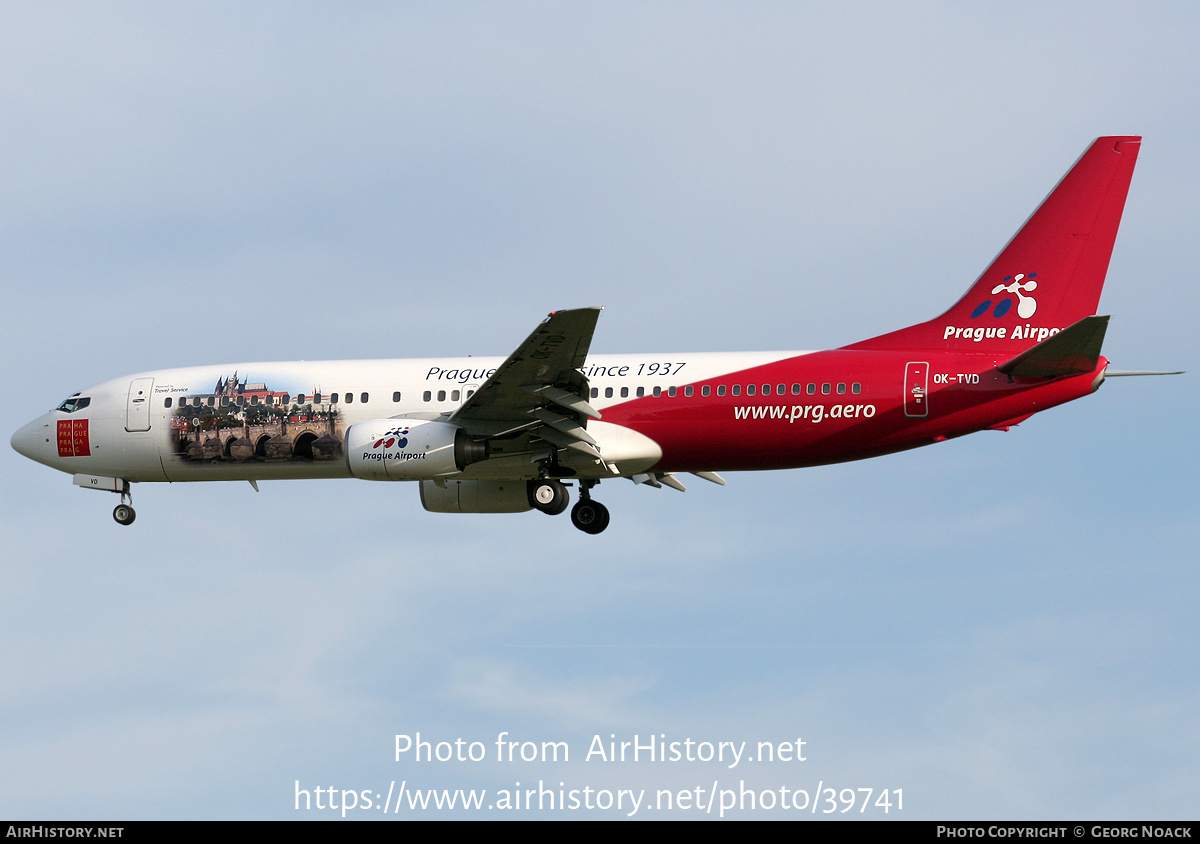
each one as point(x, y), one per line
point(539, 388)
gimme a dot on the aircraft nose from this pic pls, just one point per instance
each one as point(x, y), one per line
point(32, 440)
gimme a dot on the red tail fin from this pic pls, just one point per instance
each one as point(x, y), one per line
point(1049, 275)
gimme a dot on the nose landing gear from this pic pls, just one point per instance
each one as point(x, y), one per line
point(123, 512)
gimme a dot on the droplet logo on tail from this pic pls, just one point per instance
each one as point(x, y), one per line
point(1020, 285)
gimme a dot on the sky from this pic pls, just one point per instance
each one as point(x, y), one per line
point(997, 627)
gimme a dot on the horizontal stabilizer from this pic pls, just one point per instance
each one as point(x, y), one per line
point(1072, 351)
point(1129, 373)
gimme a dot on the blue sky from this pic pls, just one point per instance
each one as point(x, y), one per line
point(1001, 626)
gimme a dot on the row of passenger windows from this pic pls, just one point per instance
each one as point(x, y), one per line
point(455, 395)
point(275, 400)
point(283, 399)
point(736, 390)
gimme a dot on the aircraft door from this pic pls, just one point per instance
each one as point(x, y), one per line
point(916, 390)
point(137, 409)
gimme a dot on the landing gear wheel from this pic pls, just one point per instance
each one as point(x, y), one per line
point(549, 496)
point(589, 516)
point(124, 514)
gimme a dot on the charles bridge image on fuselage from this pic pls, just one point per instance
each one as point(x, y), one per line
point(247, 422)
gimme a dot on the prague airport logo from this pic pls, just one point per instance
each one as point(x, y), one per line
point(1019, 284)
point(396, 437)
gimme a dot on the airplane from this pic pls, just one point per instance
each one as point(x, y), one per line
point(504, 435)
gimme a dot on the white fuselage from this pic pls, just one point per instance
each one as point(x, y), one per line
point(218, 422)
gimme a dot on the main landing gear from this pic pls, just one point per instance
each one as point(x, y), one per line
point(589, 516)
point(551, 497)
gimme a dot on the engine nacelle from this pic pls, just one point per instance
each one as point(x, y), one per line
point(453, 496)
point(409, 449)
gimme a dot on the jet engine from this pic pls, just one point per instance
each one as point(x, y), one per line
point(410, 450)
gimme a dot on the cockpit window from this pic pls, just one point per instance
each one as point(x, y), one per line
point(74, 403)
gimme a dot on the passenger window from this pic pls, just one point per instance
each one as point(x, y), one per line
point(641, 392)
point(825, 389)
point(624, 392)
point(608, 394)
point(705, 390)
point(811, 389)
point(856, 388)
point(687, 391)
point(300, 399)
point(595, 392)
point(657, 392)
point(454, 395)
point(749, 389)
point(349, 398)
point(316, 398)
point(396, 396)
point(441, 395)
point(795, 389)
point(766, 389)
point(781, 390)
point(428, 396)
point(333, 399)
point(167, 403)
point(737, 389)
point(363, 397)
point(720, 389)
point(841, 389)
point(671, 391)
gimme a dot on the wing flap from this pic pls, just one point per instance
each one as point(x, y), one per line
point(539, 390)
point(566, 399)
point(563, 424)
